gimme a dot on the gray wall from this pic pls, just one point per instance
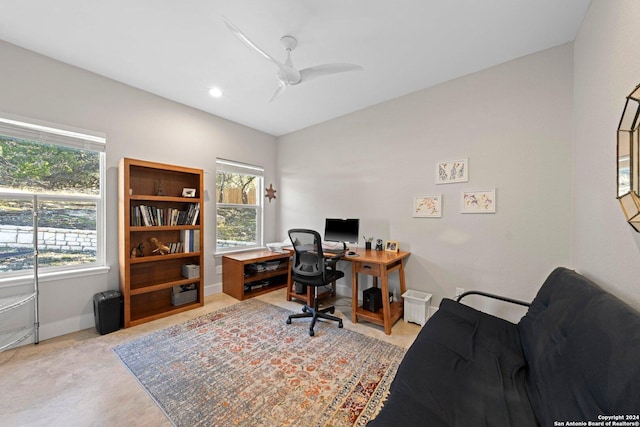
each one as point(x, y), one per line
point(513, 122)
point(607, 68)
point(137, 125)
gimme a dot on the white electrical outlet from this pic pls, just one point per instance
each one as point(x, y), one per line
point(459, 291)
point(219, 269)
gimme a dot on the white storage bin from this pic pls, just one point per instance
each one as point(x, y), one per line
point(416, 306)
point(190, 271)
point(180, 296)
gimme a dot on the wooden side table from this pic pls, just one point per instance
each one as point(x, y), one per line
point(377, 264)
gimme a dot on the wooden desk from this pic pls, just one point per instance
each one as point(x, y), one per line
point(377, 264)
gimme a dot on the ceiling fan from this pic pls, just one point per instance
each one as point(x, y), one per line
point(287, 74)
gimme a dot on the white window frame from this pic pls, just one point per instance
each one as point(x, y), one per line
point(245, 169)
point(40, 131)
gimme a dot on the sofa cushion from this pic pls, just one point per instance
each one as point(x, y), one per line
point(465, 368)
point(583, 349)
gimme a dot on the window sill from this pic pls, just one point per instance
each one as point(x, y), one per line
point(235, 251)
point(54, 275)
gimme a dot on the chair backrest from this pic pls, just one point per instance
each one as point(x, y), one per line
point(308, 260)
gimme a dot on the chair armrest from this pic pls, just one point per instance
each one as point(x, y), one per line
point(332, 260)
point(488, 295)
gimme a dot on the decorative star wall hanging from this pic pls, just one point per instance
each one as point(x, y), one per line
point(270, 193)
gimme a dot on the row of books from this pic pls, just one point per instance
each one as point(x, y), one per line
point(191, 240)
point(142, 215)
point(175, 247)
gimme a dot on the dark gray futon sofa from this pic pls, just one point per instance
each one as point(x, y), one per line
point(573, 358)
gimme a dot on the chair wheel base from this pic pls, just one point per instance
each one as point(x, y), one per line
point(314, 313)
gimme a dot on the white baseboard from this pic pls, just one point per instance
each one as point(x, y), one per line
point(86, 321)
point(343, 291)
point(66, 326)
point(216, 288)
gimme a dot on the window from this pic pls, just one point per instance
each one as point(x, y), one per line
point(51, 185)
point(238, 207)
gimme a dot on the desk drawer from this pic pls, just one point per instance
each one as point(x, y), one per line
point(370, 268)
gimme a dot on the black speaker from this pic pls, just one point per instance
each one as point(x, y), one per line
point(372, 299)
point(108, 312)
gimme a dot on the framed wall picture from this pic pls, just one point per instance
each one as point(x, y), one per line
point(451, 171)
point(391, 246)
point(427, 206)
point(479, 201)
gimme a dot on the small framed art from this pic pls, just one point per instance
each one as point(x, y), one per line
point(188, 192)
point(427, 206)
point(391, 246)
point(451, 171)
point(479, 201)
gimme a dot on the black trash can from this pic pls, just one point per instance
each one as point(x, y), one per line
point(108, 312)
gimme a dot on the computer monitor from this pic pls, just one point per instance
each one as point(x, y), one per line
point(345, 230)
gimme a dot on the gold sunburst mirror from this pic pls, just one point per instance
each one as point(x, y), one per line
point(628, 156)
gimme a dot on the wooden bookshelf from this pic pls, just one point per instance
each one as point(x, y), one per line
point(242, 279)
point(148, 278)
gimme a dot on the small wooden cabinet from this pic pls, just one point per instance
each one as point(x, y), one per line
point(249, 274)
point(152, 205)
point(377, 264)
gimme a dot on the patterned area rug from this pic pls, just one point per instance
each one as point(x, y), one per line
point(243, 366)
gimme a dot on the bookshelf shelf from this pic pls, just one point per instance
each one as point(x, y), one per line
point(169, 283)
point(150, 202)
point(155, 228)
point(164, 258)
point(149, 198)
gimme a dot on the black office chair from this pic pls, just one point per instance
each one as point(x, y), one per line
point(312, 268)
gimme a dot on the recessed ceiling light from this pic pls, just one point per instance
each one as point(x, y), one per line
point(215, 92)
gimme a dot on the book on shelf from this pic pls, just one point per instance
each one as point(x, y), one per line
point(190, 240)
point(192, 214)
point(174, 247)
point(148, 216)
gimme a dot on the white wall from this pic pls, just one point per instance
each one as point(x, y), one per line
point(137, 125)
point(512, 121)
point(607, 68)
point(515, 122)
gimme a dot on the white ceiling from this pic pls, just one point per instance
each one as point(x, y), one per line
point(180, 49)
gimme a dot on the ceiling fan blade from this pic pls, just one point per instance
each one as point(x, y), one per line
point(326, 69)
point(281, 87)
point(246, 40)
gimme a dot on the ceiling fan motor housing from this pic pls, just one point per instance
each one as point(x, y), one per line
point(289, 42)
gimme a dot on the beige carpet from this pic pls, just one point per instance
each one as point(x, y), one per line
point(77, 379)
